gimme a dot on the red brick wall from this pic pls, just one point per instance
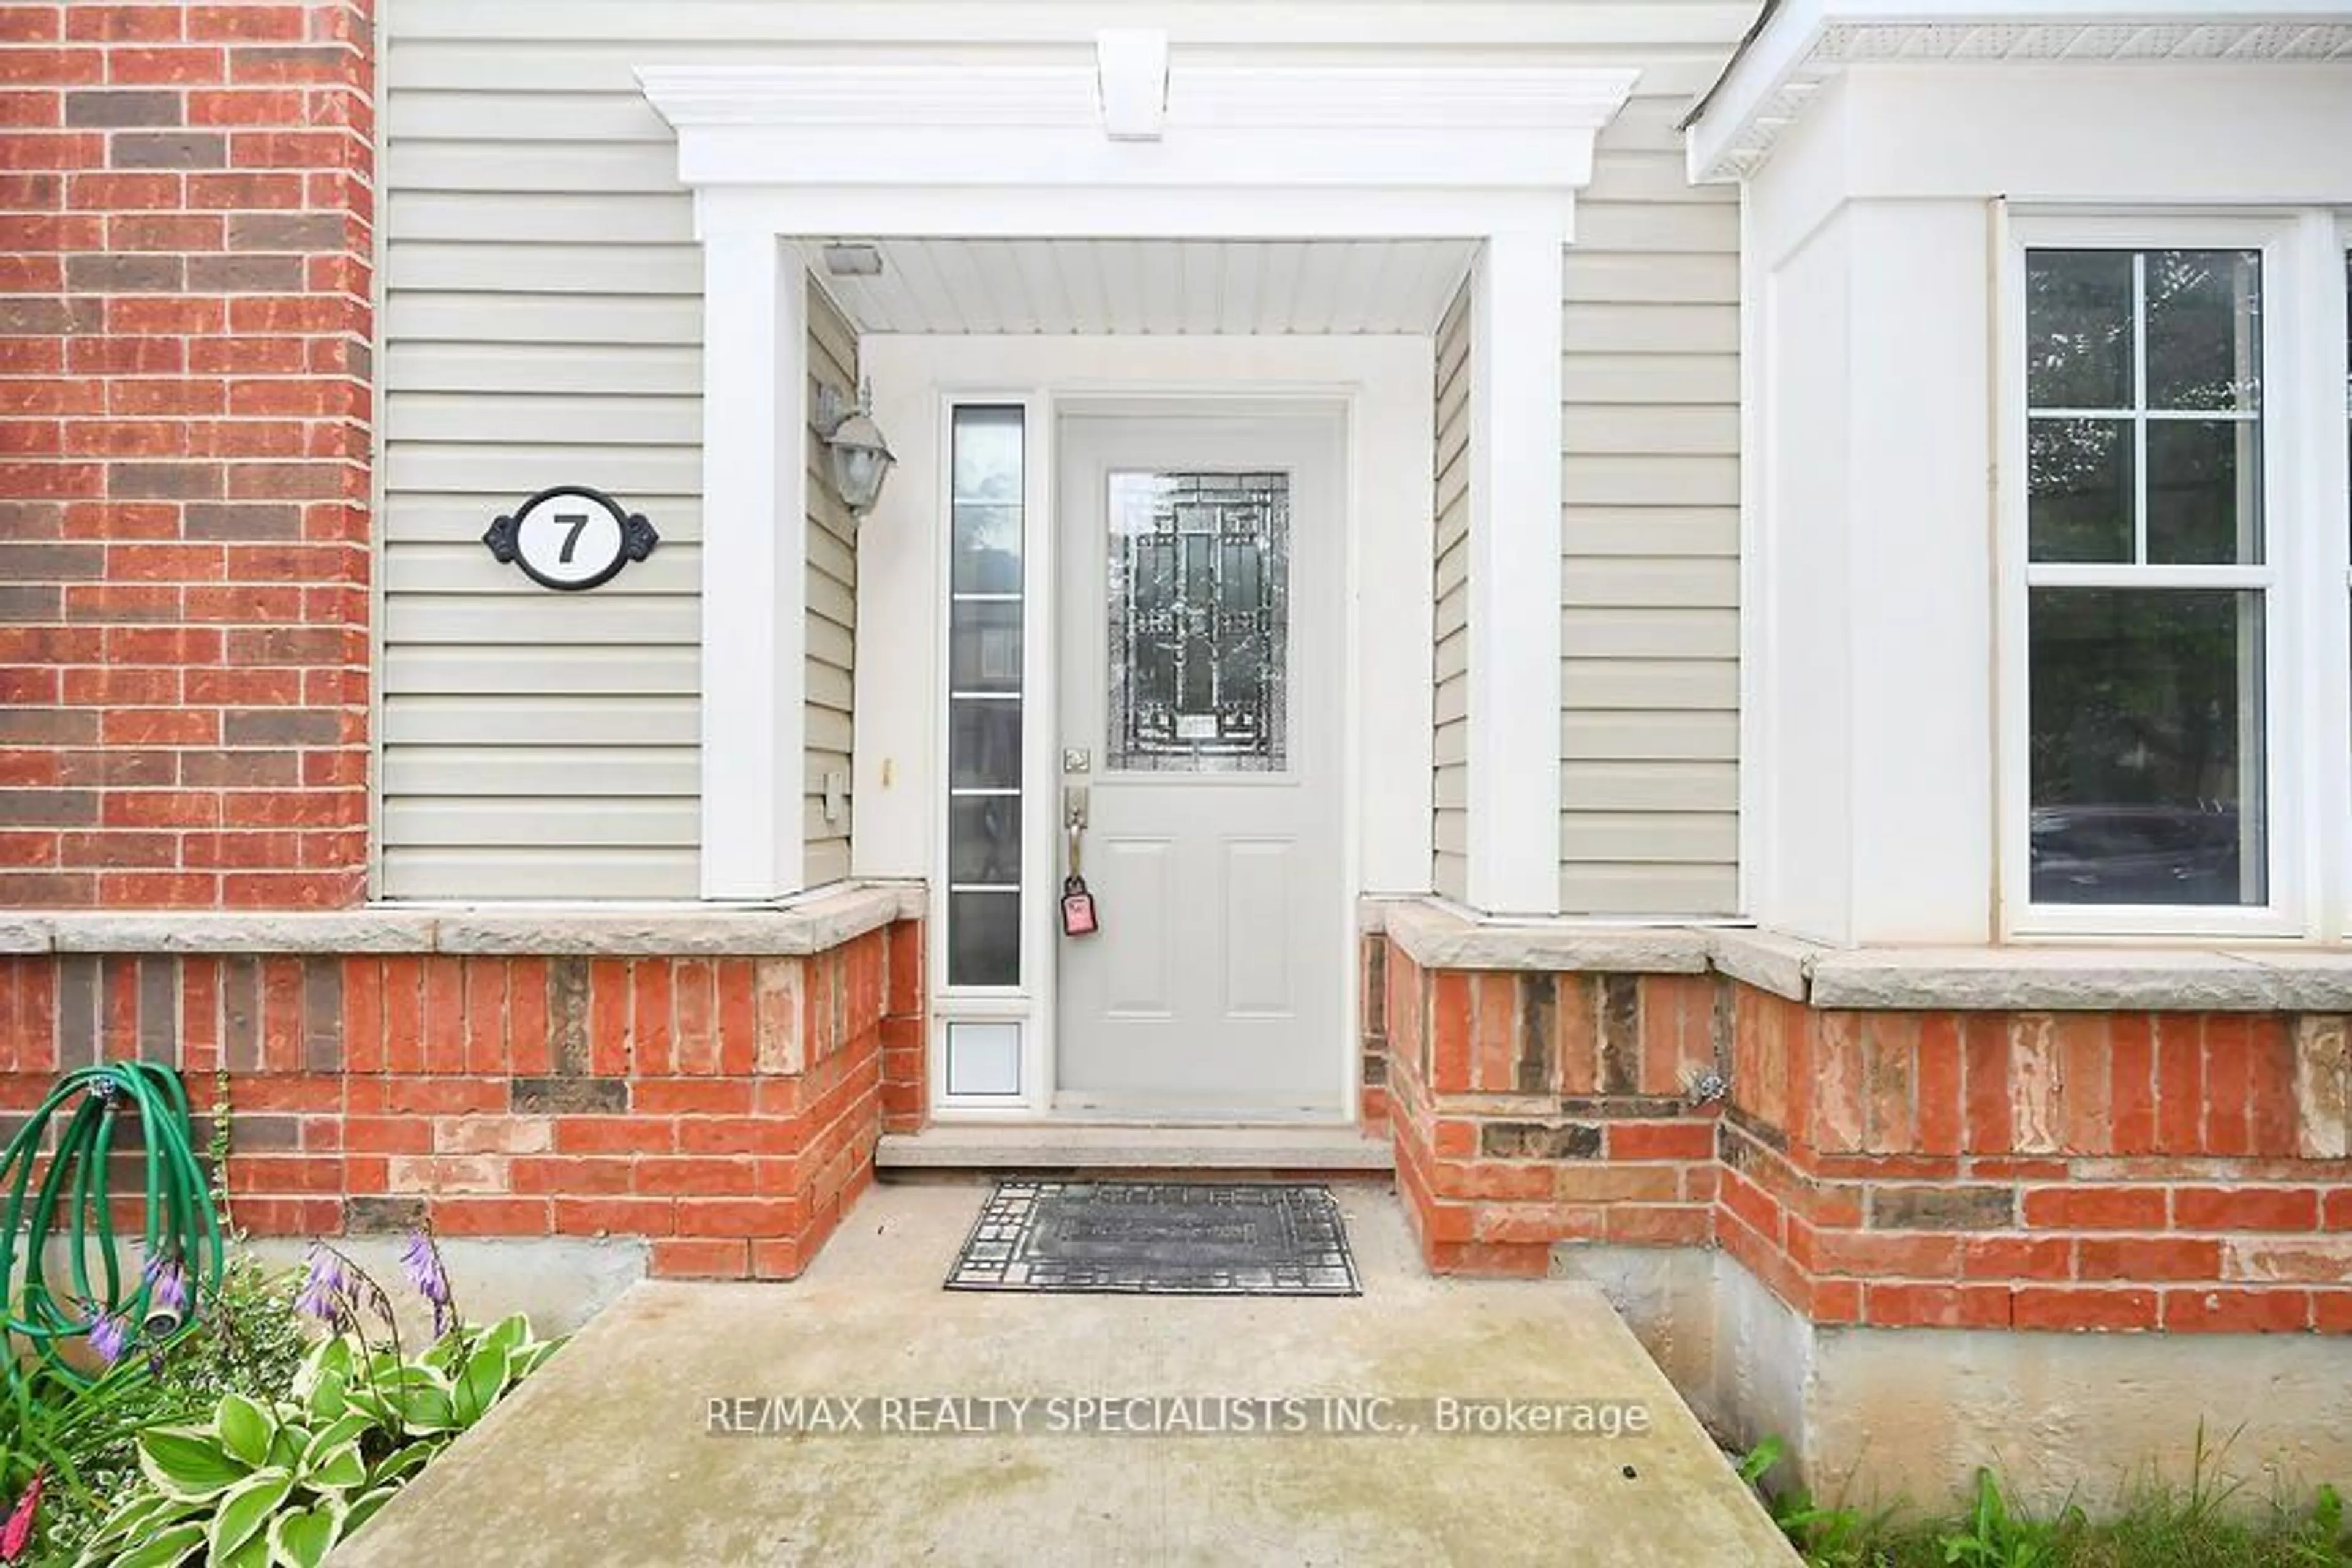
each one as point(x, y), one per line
point(1996, 1170)
point(2043, 1171)
point(724, 1109)
point(1533, 1107)
point(185, 212)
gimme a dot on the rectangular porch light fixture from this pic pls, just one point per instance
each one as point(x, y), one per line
point(853, 259)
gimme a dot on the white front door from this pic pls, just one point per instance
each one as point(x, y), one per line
point(1201, 592)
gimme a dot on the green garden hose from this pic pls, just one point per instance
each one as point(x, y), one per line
point(180, 1241)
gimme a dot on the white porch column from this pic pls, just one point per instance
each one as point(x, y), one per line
point(1514, 572)
point(755, 560)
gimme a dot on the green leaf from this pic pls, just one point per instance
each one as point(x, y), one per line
point(402, 1462)
point(339, 1469)
point(528, 1360)
point(511, 1332)
point(334, 1435)
point(135, 1520)
point(371, 1402)
point(327, 1396)
point(286, 1446)
point(1760, 1459)
point(421, 1397)
point(364, 1507)
point(477, 1387)
point(165, 1550)
point(143, 1511)
point(189, 1462)
point(303, 1538)
point(328, 1358)
point(245, 1427)
point(244, 1513)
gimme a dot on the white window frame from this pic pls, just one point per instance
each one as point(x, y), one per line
point(1025, 1004)
point(2327, 243)
point(2306, 569)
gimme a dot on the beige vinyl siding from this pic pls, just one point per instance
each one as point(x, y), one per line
point(831, 609)
point(1449, 869)
point(542, 324)
point(1650, 576)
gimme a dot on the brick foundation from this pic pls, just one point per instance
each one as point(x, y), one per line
point(185, 251)
point(1989, 1170)
point(725, 1110)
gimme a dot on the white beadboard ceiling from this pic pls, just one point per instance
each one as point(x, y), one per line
point(1153, 285)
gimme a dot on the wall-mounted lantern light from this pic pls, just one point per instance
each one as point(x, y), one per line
point(857, 456)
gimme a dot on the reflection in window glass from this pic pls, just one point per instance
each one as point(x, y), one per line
point(2153, 457)
point(2144, 450)
point(2147, 746)
point(2079, 324)
point(2204, 490)
point(984, 938)
point(2083, 490)
point(984, 689)
point(2204, 328)
point(1199, 622)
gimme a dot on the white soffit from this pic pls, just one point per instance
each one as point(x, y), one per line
point(1798, 45)
point(1151, 287)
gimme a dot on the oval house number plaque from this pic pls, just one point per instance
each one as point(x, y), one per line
point(570, 538)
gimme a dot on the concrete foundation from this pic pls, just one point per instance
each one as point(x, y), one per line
point(1876, 1417)
point(2078, 1417)
point(557, 1282)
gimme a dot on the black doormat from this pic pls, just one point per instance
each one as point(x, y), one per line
point(1158, 1239)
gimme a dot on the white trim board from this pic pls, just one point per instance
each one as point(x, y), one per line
point(1275, 125)
point(1386, 384)
point(1288, 148)
point(1804, 44)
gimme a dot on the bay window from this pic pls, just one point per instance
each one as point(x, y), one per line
point(2172, 676)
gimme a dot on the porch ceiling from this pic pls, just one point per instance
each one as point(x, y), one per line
point(1041, 286)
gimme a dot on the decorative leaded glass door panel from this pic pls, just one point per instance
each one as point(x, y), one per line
point(1199, 622)
point(1200, 583)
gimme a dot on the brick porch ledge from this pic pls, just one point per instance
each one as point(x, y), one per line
point(816, 922)
point(714, 1083)
point(2182, 977)
point(2095, 1166)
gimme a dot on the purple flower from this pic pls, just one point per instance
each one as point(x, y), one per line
point(167, 1284)
point(325, 1289)
point(110, 1336)
point(422, 1260)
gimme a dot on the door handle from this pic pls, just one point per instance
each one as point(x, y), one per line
point(1074, 820)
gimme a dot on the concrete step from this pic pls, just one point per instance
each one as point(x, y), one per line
point(1096, 1146)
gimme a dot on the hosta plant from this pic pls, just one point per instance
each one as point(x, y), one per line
point(281, 1482)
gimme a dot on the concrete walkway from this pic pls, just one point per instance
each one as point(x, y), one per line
point(608, 1457)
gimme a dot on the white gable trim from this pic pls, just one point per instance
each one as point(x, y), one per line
point(1805, 43)
point(1282, 126)
point(1278, 149)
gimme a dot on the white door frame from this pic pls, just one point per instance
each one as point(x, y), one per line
point(1385, 386)
point(1290, 146)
